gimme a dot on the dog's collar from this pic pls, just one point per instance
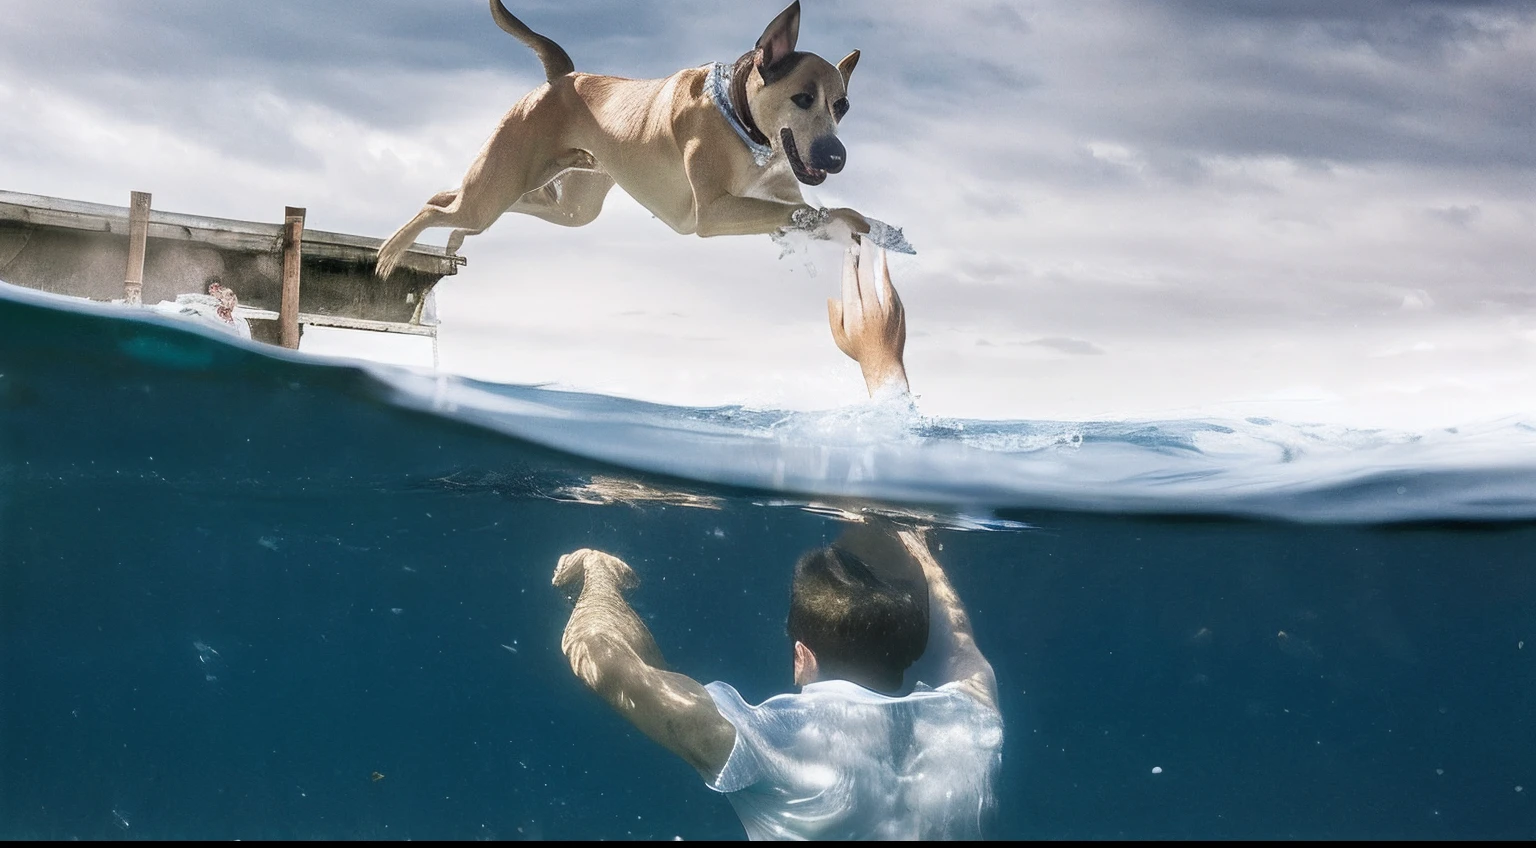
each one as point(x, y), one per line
point(719, 85)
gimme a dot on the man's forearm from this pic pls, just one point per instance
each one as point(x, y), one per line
point(604, 634)
point(612, 651)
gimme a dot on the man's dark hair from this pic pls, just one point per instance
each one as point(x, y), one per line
point(861, 627)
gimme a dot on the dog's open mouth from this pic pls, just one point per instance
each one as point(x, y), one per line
point(803, 172)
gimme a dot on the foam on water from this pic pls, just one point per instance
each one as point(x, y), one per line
point(1255, 467)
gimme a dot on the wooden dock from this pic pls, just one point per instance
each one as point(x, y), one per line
point(285, 276)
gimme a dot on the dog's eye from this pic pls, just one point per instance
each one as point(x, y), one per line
point(804, 101)
point(840, 108)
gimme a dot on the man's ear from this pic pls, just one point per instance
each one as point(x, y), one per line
point(846, 66)
point(806, 669)
point(779, 39)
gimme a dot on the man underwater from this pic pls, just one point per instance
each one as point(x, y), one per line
point(845, 758)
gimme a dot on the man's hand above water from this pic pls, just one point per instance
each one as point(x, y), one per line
point(869, 323)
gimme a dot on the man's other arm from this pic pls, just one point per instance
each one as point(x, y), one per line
point(613, 653)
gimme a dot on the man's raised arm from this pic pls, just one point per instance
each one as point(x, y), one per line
point(874, 334)
point(949, 628)
point(613, 652)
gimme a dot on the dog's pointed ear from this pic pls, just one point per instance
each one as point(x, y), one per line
point(779, 39)
point(846, 66)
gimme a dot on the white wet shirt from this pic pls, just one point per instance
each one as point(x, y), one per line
point(838, 761)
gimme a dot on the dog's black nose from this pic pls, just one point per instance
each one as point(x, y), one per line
point(828, 154)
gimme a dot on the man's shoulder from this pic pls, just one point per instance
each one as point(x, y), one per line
point(736, 708)
point(955, 695)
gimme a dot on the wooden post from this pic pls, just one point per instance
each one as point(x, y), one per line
point(288, 314)
point(138, 234)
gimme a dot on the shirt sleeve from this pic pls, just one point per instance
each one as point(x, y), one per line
point(986, 721)
point(744, 766)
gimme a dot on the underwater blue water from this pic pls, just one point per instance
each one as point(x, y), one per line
point(247, 594)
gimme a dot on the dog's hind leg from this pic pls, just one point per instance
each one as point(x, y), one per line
point(445, 209)
point(573, 199)
point(456, 239)
point(521, 156)
point(435, 213)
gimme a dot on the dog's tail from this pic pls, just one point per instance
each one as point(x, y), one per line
point(557, 63)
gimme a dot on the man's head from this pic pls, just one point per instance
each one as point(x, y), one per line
point(849, 623)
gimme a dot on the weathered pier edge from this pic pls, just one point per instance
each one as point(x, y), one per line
point(286, 277)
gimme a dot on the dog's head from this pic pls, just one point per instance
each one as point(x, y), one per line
point(797, 99)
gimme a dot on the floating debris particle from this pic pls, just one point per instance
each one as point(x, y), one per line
point(267, 542)
point(1295, 646)
point(208, 659)
point(1157, 769)
point(396, 610)
point(376, 777)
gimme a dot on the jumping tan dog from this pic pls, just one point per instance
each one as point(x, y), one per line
point(691, 148)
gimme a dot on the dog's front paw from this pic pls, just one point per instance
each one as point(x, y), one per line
point(845, 226)
point(809, 220)
point(840, 224)
point(849, 218)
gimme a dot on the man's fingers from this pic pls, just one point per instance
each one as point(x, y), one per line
point(839, 332)
point(887, 291)
point(573, 566)
point(850, 287)
point(565, 569)
point(868, 294)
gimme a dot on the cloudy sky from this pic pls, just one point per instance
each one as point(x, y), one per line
point(1302, 208)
